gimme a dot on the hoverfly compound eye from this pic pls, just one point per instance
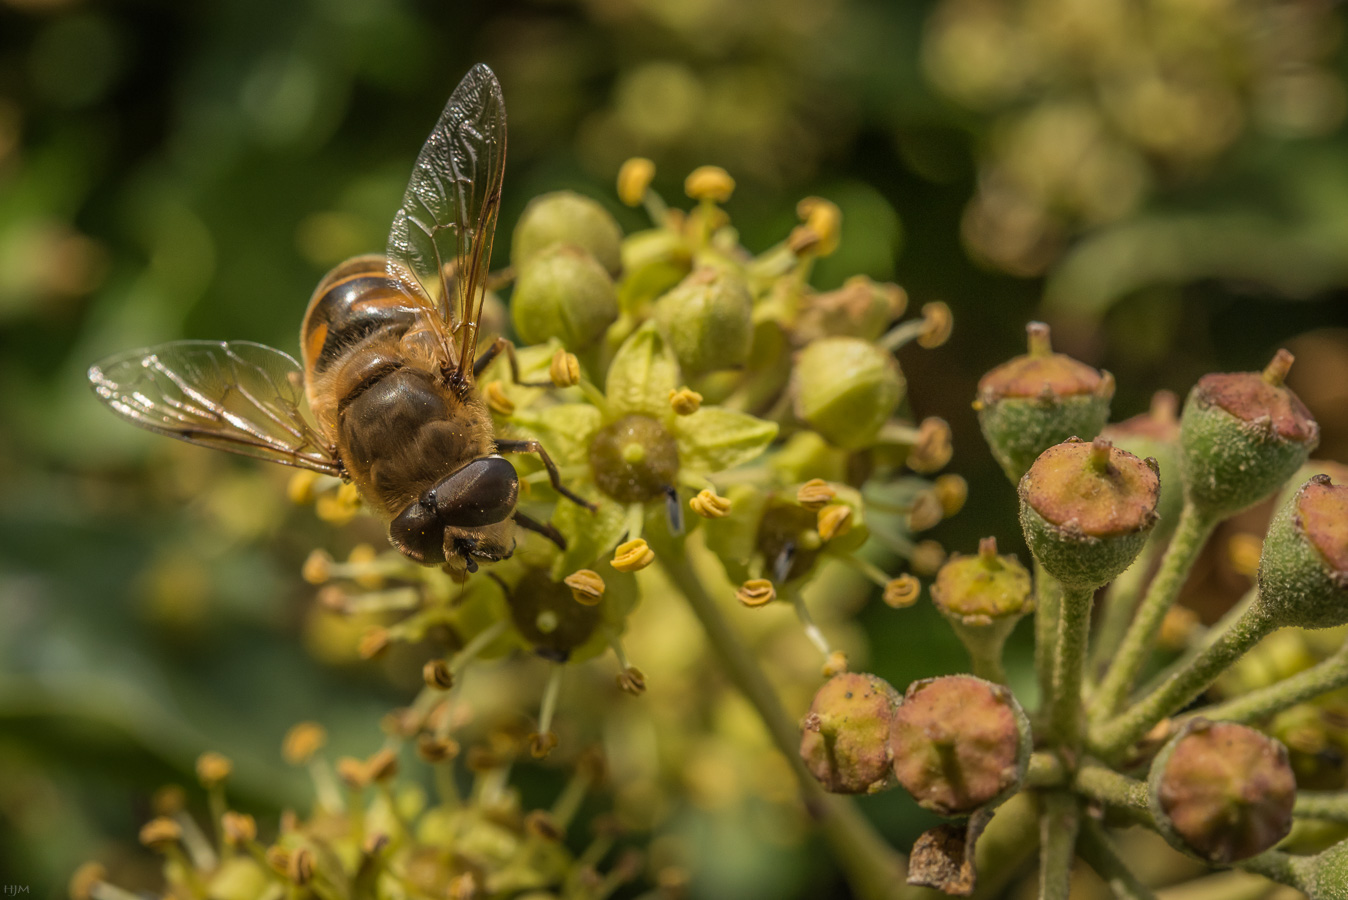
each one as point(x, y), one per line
point(481, 493)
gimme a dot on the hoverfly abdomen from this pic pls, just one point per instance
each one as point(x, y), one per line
point(354, 302)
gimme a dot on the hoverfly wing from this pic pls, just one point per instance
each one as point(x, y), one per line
point(449, 211)
point(238, 396)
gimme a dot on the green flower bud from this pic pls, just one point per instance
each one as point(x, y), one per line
point(1087, 510)
point(845, 736)
point(634, 459)
point(653, 262)
point(563, 292)
point(1032, 402)
point(983, 597)
point(1241, 436)
point(1303, 571)
point(709, 320)
point(1222, 792)
point(959, 744)
point(846, 389)
point(1155, 434)
point(549, 618)
point(565, 217)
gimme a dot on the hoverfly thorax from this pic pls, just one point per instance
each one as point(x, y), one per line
point(390, 364)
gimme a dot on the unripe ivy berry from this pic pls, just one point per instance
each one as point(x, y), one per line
point(1222, 792)
point(1242, 435)
point(1032, 402)
point(565, 217)
point(959, 743)
point(1303, 571)
point(1087, 510)
point(846, 389)
point(563, 292)
point(548, 617)
point(708, 318)
point(983, 597)
point(634, 459)
point(845, 736)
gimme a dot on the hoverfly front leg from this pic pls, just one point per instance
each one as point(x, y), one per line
point(544, 528)
point(553, 476)
point(495, 350)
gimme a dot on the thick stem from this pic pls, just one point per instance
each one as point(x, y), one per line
point(873, 869)
point(1108, 741)
point(1047, 604)
point(1120, 603)
point(1191, 533)
point(1281, 867)
point(1100, 855)
point(1058, 840)
point(1104, 785)
point(1331, 806)
point(1328, 675)
point(985, 644)
point(1069, 663)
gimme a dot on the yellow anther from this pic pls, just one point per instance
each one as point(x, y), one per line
point(435, 749)
point(213, 768)
point(339, 506)
point(497, 399)
point(587, 586)
point(756, 592)
point(709, 183)
point(363, 557)
point(952, 491)
point(300, 868)
point(382, 765)
point(933, 448)
point(634, 178)
point(927, 558)
point(710, 505)
point(437, 675)
point(564, 370)
point(372, 643)
point(541, 744)
point(317, 568)
point(823, 218)
point(926, 511)
point(238, 828)
point(632, 681)
point(169, 800)
point(632, 556)
point(160, 833)
point(836, 664)
point(86, 878)
point(302, 741)
point(301, 487)
point(1244, 550)
point(685, 401)
point(352, 772)
point(541, 824)
point(815, 494)
point(834, 520)
point(939, 321)
point(902, 592)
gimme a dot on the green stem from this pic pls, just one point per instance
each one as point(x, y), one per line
point(1109, 740)
point(873, 869)
point(1069, 663)
point(1005, 845)
point(1104, 785)
point(1045, 771)
point(1283, 868)
point(1321, 678)
point(1191, 533)
point(1058, 838)
point(1121, 600)
point(1099, 853)
point(1331, 806)
point(985, 644)
point(1210, 634)
point(1234, 885)
point(1047, 603)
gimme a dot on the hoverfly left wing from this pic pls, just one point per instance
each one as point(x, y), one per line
point(450, 207)
point(238, 396)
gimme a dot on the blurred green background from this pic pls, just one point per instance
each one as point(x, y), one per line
point(1164, 181)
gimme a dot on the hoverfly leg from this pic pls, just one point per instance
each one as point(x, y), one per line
point(494, 351)
point(674, 511)
point(543, 528)
point(554, 477)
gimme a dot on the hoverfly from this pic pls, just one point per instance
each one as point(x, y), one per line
point(389, 345)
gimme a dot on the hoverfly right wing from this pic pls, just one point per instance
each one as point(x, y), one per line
point(447, 221)
point(238, 396)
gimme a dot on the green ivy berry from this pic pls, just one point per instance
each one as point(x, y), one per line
point(846, 389)
point(563, 292)
point(565, 217)
point(845, 736)
point(1303, 571)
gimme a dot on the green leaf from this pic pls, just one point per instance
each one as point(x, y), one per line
point(589, 535)
point(642, 374)
point(715, 438)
